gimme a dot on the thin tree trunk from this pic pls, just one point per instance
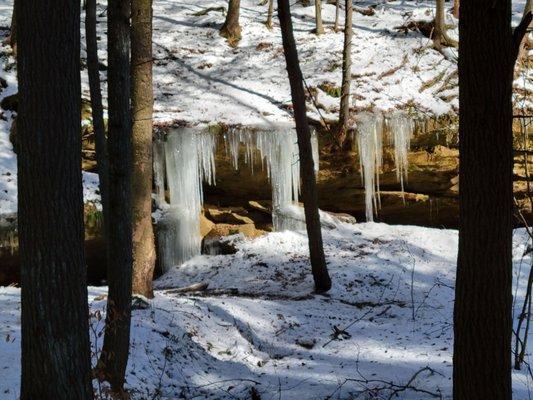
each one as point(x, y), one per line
point(337, 12)
point(528, 9)
point(307, 171)
point(55, 339)
point(456, 7)
point(231, 29)
point(270, 12)
point(440, 37)
point(482, 356)
point(114, 357)
point(142, 102)
point(344, 112)
point(319, 30)
point(12, 39)
point(97, 110)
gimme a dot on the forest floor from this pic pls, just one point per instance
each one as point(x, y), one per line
point(260, 327)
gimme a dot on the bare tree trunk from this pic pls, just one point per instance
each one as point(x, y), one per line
point(55, 338)
point(114, 357)
point(270, 12)
point(142, 102)
point(528, 9)
point(97, 111)
point(344, 112)
point(456, 6)
point(319, 30)
point(231, 29)
point(482, 357)
point(12, 39)
point(337, 9)
point(440, 37)
point(307, 171)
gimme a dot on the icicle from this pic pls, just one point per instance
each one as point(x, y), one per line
point(314, 146)
point(190, 159)
point(401, 128)
point(278, 151)
point(159, 172)
point(370, 149)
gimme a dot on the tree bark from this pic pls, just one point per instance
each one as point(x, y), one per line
point(337, 12)
point(456, 7)
point(114, 357)
point(12, 39)
point(55, 339)
point(440, 37)
point(319, 30)
point(231, 29)
point(307, 170)
point(482, 357)
point(268, 22)
point(344, 112)
point(97, 111)
point(529, 9)
point(142, 102)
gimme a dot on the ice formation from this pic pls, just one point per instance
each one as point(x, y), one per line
point(187, 158)
point(370, 148)
point(278, 151)
point(159, 172)
point(401, 127)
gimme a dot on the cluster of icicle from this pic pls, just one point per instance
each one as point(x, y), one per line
point(187, 158)
point(370, 133)
point(278, 153)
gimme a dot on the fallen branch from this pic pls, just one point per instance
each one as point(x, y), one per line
point(208, 10)
point(195, 287)
point(369, 11)
point(393, 389)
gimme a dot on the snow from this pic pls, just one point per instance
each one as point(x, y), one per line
point(254, 325)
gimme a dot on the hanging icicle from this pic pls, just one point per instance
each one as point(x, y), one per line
point(370, 149)
point(401, 128)
point(159, 172)
point(190, 160)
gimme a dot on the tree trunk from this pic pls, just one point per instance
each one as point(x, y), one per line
point(319, 30)
point(456, 6)
point(142, 102)
point(12, 39)
point(440, 37)
point(114, 357)
point(307, 170)
point(529, 9)
point(270, 12)
point(97, 110)
point(482, 357)
point(231, 29)
point(344, 112)
point(337, 12)
point(55, 338)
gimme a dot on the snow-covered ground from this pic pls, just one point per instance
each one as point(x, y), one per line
point(259, 325)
